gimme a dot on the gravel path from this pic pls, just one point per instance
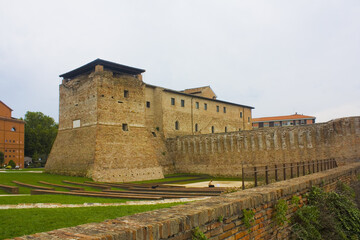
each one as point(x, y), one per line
point(59, 205)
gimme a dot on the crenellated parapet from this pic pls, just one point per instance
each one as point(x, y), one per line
point(225, 153)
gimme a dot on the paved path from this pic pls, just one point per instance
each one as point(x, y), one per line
point(59, 205)
point(13, 195)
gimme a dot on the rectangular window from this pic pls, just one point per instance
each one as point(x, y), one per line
point(182, 102)
point(197, 105)
point(126, 93)
point(240, 114)
point(76, 123)
point(217, 108)
point(125, 127)
point(173, 101)
point(248, 119)
point(148, 104)
point(224, 109)
point(205, 106)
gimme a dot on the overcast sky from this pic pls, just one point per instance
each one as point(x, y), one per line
point(280, 57)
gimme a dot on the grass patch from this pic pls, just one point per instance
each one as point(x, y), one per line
point(33, 178)
point(19, 222)
point(63, 199)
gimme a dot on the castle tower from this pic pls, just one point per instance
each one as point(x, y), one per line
point(102, 126)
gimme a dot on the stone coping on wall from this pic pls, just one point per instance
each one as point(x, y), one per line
point(178, 221)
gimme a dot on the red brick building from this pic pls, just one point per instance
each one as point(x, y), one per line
point(290, 120)
point(11, 136)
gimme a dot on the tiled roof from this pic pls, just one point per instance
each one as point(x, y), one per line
point(281, 118)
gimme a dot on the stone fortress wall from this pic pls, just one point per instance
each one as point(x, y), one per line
point(224, 153)
point(113, 127)
point(102, 131)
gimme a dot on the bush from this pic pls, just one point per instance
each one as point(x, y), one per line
point(12, 164)
point(332, 215)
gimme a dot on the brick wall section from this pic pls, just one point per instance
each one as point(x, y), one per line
point(178, 222)
point(224, 153)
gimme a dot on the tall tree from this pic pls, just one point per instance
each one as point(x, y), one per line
point(1, 159)
point(40, 134)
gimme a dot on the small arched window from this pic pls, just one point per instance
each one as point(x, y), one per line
point(212, 129)
point(177, 125)
point(196, 127)
point(13, 129)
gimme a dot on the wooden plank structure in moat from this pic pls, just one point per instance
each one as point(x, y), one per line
point(10, 189)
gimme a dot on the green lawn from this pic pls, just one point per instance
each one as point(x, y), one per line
point(19, 222)
point(33, 178)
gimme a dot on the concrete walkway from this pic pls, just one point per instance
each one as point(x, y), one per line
point(59, 205)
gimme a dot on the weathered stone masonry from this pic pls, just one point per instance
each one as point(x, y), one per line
point(113, 127)
point(224, 153)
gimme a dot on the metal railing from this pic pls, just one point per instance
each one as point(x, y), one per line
point(286, 170)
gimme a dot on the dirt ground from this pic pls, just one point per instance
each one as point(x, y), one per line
point(231, 184)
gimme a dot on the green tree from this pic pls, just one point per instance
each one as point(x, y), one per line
point(40, 134)
point(1, 159)
point(12, 164)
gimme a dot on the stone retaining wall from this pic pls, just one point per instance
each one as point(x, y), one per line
point(218, 217)
point(224, 153)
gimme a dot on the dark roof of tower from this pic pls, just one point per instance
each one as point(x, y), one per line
point(114, 67)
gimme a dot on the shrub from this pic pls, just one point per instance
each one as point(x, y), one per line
point(248, 217)
point(12, 164)
point(197, 234)
point(281, 208)
point(332, 215)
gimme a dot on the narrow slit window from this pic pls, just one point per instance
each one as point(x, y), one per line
point(196, 127)
point(226, 129)
point(125, 127)
point(126, 93)
point(148, 104)
point(224, 109)
point(212, 129)
point(217, 108)
point(205, 106)
point(182, 103)
point(240, 114)
point(177, 125)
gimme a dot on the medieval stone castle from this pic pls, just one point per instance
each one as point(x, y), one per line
point(114, 127)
